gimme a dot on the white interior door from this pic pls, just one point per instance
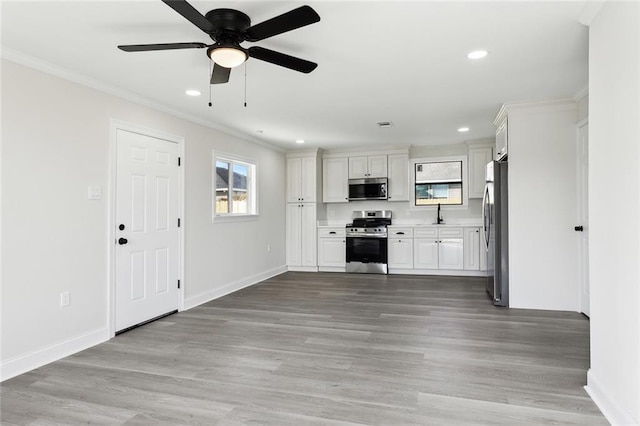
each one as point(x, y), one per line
point(147, 235)
point(583, 216)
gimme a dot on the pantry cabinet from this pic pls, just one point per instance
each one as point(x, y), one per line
point(302, 193)
point(301, 236)
point(301, 179)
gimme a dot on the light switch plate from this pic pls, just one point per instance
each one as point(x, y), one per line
point(95, 193)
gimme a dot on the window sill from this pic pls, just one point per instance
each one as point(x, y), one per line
point(235, 218)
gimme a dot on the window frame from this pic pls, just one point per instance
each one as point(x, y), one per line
point(465, 182)
point(252, 187)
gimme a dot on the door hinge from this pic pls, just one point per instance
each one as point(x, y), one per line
point(178, 283)
point(178, 161)
point(178, 222)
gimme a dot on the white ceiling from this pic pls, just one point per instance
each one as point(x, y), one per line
point(403, 62)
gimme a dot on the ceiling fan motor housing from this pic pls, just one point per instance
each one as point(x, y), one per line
point(227, 21)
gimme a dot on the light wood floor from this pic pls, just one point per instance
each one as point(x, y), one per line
point(326, 349)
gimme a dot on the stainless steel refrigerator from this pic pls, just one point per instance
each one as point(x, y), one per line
point(495, 224)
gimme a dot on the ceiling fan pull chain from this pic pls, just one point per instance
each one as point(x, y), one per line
point(245, 84)
point(211, 67)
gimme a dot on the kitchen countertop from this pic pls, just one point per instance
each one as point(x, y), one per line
point(429, 225)
point(461, 224)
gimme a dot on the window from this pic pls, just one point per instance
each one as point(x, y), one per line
point(234, 187)
point(439, 181)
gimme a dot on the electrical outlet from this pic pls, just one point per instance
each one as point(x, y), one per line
point(64, 299)
point(332, 213)
point(268, 248)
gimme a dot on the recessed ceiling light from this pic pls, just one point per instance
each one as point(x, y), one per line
point(477, 54)
point(463, 129)
point(192, 92)
point(300, 141)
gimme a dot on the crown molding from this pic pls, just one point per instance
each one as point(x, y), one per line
point(590, 11)
point(581, 94)
point(74, 77)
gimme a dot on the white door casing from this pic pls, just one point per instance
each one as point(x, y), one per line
point(582, 159)
point(146, 267)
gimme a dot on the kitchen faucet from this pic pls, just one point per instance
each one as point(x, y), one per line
point(440, 220)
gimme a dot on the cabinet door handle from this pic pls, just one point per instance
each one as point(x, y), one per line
point(399, 233)
point(332, 232)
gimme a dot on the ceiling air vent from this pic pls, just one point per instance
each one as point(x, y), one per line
point(384, 124)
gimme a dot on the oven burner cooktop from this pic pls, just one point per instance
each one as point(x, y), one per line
point(367, 242)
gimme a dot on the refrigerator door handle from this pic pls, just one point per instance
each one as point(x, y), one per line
point(485, 216)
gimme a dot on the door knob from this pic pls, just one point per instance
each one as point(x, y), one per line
point(579, 228)
point(122, 241)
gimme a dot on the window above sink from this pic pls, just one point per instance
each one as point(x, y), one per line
point(439, 180)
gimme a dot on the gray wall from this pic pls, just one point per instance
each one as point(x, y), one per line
point(55, 143)
point(614, 210)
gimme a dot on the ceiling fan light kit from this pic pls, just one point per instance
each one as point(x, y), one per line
point(228, 57)
point(228, 28)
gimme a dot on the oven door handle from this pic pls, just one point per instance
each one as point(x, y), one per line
point(366, 236)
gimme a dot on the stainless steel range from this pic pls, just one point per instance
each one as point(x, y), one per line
point(367, 242)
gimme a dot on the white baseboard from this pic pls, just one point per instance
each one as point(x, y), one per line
point(27, 362)
point(302, 268)
point(331, 269)
point(438, 272)
point(230, 288)
point(611, 410)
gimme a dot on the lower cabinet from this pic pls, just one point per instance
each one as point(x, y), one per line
point(438, 248)
point(400, 248)
point(331, 249)
point(472, 249)
point(301, 236)
point(475, 253)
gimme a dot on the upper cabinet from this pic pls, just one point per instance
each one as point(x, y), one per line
point(371, 166)
point(478, 159)
point(502, 135)
point(335, 172)
point(398, 171)
point(302, 177)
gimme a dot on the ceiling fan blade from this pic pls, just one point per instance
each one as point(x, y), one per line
point(192, 15)
point(281, 59)
point(160, 46)
point(220, 74)
point(296, 18)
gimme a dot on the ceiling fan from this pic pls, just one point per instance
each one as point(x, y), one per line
point(228, 28)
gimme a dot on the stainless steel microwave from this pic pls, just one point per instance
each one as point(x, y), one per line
point(368, 189)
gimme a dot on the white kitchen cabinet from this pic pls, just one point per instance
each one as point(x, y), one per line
point(438, 248)
point(370, 166)
point(302, 179)
point(450, 253)
point(332, 248)
point(478, 159)
point(425, 253)
point(483, 252)
point(398, 171)
point(335, 183)
point(301, 236)
point(502, 135)
point(400, 248)
point(472, 249)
